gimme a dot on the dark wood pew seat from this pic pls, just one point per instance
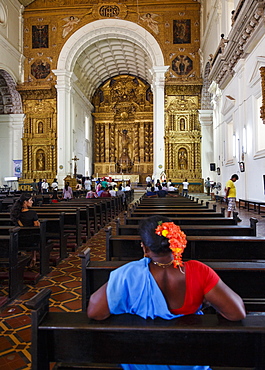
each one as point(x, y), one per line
point(12, 265)
point(222, 230)
point(127, 247)
point(246, 278)
point(200, 339)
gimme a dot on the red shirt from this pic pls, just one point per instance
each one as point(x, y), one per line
point(200, 279)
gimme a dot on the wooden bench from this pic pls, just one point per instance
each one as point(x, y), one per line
point(72, 338)
point(189, 220)
point(33, 238)
point(246, 278)
point(128, 247)
point(180, 213)
point(13, 264)
point(222, 230)
point(246, 204)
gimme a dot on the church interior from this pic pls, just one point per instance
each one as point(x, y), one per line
point(170, 89)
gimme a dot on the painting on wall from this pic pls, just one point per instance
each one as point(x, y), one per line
point(182, 65)
point(40, 69)
point(40, 36)
point(181, 31)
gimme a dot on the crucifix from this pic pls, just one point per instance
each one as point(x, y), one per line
point(75, 167)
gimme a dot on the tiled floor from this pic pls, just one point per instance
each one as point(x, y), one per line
point(65, 283)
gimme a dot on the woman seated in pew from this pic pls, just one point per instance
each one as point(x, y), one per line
point(22, 215)
point(161, 285)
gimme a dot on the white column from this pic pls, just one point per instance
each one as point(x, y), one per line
point(206, 121)
point(11, 129)
point(158, 87)
point(64, 125)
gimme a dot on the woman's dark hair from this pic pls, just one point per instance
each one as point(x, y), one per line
point(157, 244)
point(66, 186)
point(17, 206)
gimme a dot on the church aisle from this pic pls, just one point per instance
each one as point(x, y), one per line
point(65, 283)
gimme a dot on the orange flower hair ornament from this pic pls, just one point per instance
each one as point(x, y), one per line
point(177, 240)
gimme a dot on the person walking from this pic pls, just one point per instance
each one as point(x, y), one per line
point(185, 188)
point(208, 185)
point(230, 195)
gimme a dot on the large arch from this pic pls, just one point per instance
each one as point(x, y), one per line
point(72, 49)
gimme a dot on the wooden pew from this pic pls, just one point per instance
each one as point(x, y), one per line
point(203, 248)
point(72, 338)
point(221, 230)
point(246, 278)
point(189, 220)
point(257, 205)
point(71, 220)
point(13, 263)
point(180, 213)
point(33, 238)
point(54, 229)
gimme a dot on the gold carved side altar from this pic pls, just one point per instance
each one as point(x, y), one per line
point(183, 136)
point(40, 133)
point(123, 128)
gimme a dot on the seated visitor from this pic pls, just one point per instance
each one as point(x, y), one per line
point(21, 214)
point(152, 193)
point(161, 193)
point(162, 285)
point(91, 193)
point(67, 192)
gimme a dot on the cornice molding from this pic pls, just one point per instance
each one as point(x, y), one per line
point(245, 34)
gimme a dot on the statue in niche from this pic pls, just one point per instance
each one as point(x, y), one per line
point(40, 159)
point(182, 159)
point(124, 164)
point(40, 127)
point(182, 124)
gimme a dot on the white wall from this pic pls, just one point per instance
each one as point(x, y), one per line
point(82, 132)
point(11, 42)
point(11, 61)
point(239, 102)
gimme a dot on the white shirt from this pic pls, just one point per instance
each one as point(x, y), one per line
point(55, 186)
point(44, 185)
point(87, 184)
point(185, 185)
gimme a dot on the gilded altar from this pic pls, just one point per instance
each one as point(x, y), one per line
point(183, 135)
point(123, 127)
point(40, 134)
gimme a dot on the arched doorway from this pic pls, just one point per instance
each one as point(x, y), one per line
point(96, 52)
point(11, 124)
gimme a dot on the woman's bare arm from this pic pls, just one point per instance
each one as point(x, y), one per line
point(226, 302)
point(98, 308)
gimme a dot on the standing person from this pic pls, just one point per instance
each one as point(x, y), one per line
point(44, 186)
point(67, 192)
point(148, 179)
point(87, 184)
point(230, 195)
point(185, 188)
point(208, 185)
point(39, 186)
point(34, 187)
point(78, 188)
point(54, 188)
point(162, 285)
point(21, 214)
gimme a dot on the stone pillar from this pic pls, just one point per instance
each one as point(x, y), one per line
point(64, 125)
point(206, 121)
point(11, 129)
point(158, 88)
